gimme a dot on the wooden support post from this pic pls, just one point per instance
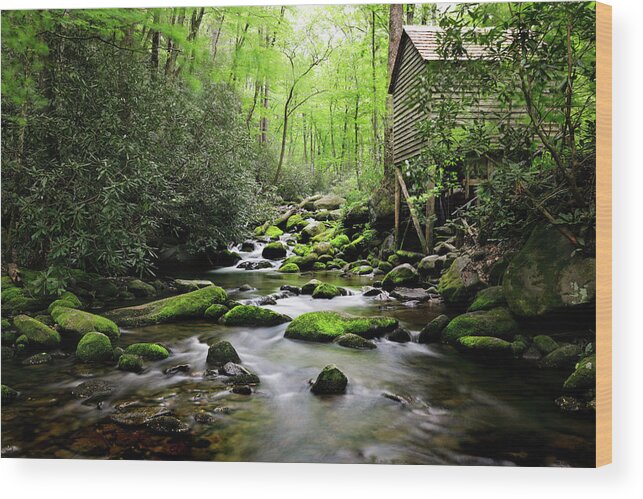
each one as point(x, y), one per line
point(414, 217)
point(429, 214)
point(397, 215)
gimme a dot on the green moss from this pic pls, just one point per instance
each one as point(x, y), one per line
point(545, 344)
point(37, 334)
point(402, 275)
point(301, 249)
point(261, 229)
point(16, 301)
point(8, 394)
point(362, 270)
point(251, 315)
point(148, 351)
point(327, 291)
point(67, 299)
point(489, 298)
point(432, 332)
point(190, 305)
point(340, 241)
point(79, 323)
point(584, 377)
point(354, 341)
point(289, 268)
point(295, 222)
point(411, 257)
point(309, 287)
point(326, 326)
point(519, 345)
point(215, 312)
point(221, 353)
point(273, 232)
point(94, 347)
point(319, 266)
point(394, 260)
point(385, 267)
point(274, 251)
point(10, 293)
point(6, 282)
point(497, 322)
point(330, 381)
point(563, 357)
point(130, 362)
point(6, 324)
point(308, 261)
point(484, 345)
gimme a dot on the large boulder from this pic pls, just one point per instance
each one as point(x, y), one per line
point(402, 275)
point(488, 298)
point(497, 322)
point(327, 291)
point(432, 332)
point(584, 377)
point(312, 229)
point(326, 326)
point(459, 284)
point(187, 285)
point(94, 347)
point(38, 335)
point(220, 353)
point(381, 209)
point(190, 305)
point(329, 202)
point(251, 315)
point(274, 251)
point(431, 266)
point(562, 357)
point(330, 381)
point(547, 276)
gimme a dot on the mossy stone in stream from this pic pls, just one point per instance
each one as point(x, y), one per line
point(326, 326)
point(190, 305)
point(402, 275)
point(354, 341)
point(411, 257)
point(251, 315)
point(545, 344)
point(301, 249)
point(520, 345)
point(94, 347)
point(67, 299)
point(274, 251)
point(432, 332)
point(289, 268)
point(488, 298)
point(130, 362)
point(319, 266)
point(563, 357)
point(309, 287)
point(222, 352)
point(330, 381)
point(79, 323)
point(362, 270)
point(295, 222)
point(460, 283)
point(326, 291)
point(484, 345)
point(148, 351)
point(215, 311)
point(37, 334)
point(340, 241)
point(497, 322)
point(8, 394)
point(583, 377)
point(308, 262)
point(273, 232)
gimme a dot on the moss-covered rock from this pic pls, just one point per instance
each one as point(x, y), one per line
point(564, 357)
point(94, 347)
point(222, 352)
point(547, 276)
point(251, 315)
point(488, 298)
point(362, 270)
point(215, 311)
point(497, 322)
point(37, 334)
point(431, 266)
point(8, 394)
point(289, 268)
point(326, 291)
point(354, 341)
point(186, 306)
point(67, 299)
point(148, 351)
point(411, 257)
point(432, 332)
point(484, 345)
point(273, 232)
point(187, 285)
point(338, 242)
point(295, 223)
point(309, 287)
point(312, 229)
point(402, 275)
point(545, 344)
point(140, 289)
point(308, 262)
point(78, 323)
point(16, 301)
point(323, 248)
point(399, 335)
point(385, 267)
point(130, 362)
point(318, 266)
point(330, 381)
point(326, 326)
point(329, 202)
point(459, 284)
point(274, 251)
point(301, 249)
point(584, 377)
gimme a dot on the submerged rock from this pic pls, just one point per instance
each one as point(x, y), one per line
point(8, 394)
point(37, 334)
point(186, 306)
point(222, 352)
point(78, 323)
point(251, 315)
point(354, 341)
point(38, 359)
point(92, 388)
point(167, 425)
point(132, 415)
point(326, 326)
point(402, 275)
point(94, 347)
point(432, 332)
point(497, 322)
point(330, 381)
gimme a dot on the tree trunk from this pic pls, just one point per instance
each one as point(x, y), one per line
point(395, 34)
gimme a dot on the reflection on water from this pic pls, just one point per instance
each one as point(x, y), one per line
point(405, 403)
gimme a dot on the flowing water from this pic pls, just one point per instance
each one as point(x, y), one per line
point(405, 403)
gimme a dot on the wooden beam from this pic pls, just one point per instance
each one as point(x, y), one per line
point(397, 214)
point(414, 217)
point(429, 214)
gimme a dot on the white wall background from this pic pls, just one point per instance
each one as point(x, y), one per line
point(96, 479)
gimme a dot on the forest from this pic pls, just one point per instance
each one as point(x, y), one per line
point(361, 176)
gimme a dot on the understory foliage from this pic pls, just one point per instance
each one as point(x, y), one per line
point(103, 156)
point(522, 117)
